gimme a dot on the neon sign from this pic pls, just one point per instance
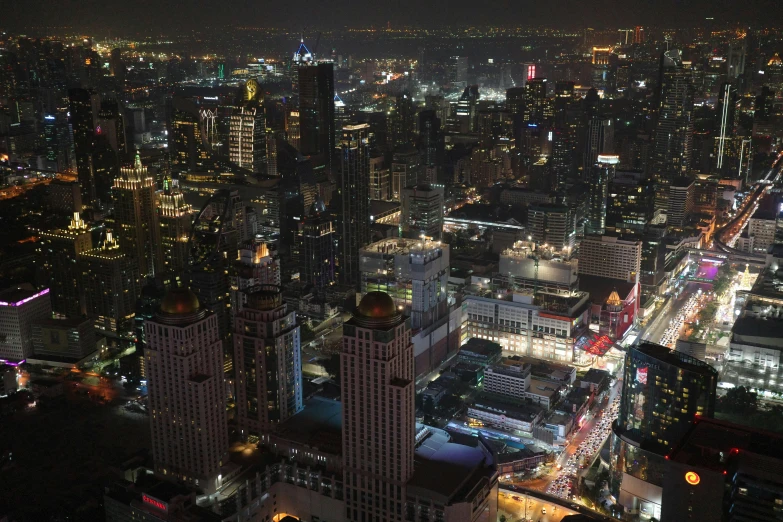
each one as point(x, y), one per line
point(154, 502)
point(692, 478)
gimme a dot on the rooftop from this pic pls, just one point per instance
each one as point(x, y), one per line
point(679, 359)
point(318, 425)
point(600, 288)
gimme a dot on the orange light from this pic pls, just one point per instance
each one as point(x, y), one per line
point(692, 478)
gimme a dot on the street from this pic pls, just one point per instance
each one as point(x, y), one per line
point(657, 330)
point(517, 507)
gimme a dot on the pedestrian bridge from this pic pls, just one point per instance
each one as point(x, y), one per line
point(733, 257)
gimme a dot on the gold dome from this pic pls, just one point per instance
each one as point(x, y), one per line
point(179, 301)
point(377, 305)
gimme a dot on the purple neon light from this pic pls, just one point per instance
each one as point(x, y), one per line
point(9, 363)
point(23, 301)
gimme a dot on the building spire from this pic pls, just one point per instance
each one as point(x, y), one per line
point(137, 161)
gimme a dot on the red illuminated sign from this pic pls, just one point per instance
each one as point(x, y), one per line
point(154, 502)
point(531, 71)
point(692, 478)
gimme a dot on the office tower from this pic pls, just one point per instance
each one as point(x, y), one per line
point(421, 212)
point(405, 170)
point(430, 143)
point(60, 250)
point(663, 392)
point(187, 397)
point(673, 137)
point(110, 280)
point(292, 127)
point(600, 176)
point(136, 219)
point(680, 204)
point(316, 114)
point(379, 178)
point(611, 257)
point(317, 251)
point(267, 361)
point(117, 67)
point(638, 34)
point(458, 71)
point(188, 148)
point(401, 121)
point(600, 140)
point(537, 108)
point(84, 106)
point(20, 308)
point(355, 196)
point(467, 107)
point(247, 137)
point(630, 203)
point(64, 340)
point(553, 225)
point(111, 125)
point(540, 176)
point(58, 143)
point(378, 410)
point(174, 217)
point(735, 59)
point(727, 110)
point(413, 272)
point(604, 69)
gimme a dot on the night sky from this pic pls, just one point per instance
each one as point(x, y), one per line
point(130, 16)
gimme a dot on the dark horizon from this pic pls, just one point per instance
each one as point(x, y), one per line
point(164, 16)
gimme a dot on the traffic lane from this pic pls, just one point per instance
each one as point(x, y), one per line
point(675, 310)
point(536, 510)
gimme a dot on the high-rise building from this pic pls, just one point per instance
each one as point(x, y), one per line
point(405, 170)
point(20, 308)
point(255, 266)
point(111, 285)
point(355, 195)
point(401, 121)
point(600, 176)
point(267, 361)
point(537, 105)
point(84, 106)
point(663, 392)
point(553, 225)
point(467, 108)
point(316, 113)
point(379, 178)
point(600, 141)
point(680, 204)
point(136, 220)
point(318, 246)
point(430, 142)
point(610, 257)
point(187, 397)
point(189, 149)
point(247, 137)
point(413, 272)
point(378, 410)
point(60, 250)
point(174, 217)
point(458, 71)
point(421, 212)
point(674, 128)
point(630, 204)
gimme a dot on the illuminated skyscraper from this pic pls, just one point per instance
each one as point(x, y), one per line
point(663, 392)
point(247, 138)
point(600, 140)
point(600, 177)
point(354, 191)
point(136, 220)
point(174, 216)
point(187, 398)
point(378, 410)
point(421, 212)
point(537, 108)
point(267, 361)
point(60, 250)
point(84, 106)
point(20, 308)
point(110, 281)
point(674, 129)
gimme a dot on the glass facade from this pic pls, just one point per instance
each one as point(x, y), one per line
point(663, 392)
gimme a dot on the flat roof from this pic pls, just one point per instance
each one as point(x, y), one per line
point(515, 410)
point(600, 288)
point(318, 425)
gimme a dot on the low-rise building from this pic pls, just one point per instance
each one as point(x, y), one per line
point(508, 415)
point(480, 351)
